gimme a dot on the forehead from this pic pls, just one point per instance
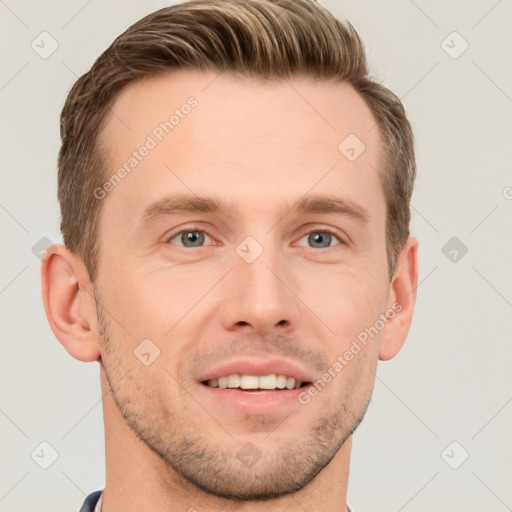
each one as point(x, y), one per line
point(254, 143)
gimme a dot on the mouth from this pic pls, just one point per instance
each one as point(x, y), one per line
point(255, 383)
point(255, 386)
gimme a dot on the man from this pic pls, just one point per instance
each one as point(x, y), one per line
point(235, 198)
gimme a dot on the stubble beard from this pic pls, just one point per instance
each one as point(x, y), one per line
point(220, 470)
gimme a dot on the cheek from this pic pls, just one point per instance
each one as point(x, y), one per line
point(148, 307)
point(347, 302)
point(157, 316)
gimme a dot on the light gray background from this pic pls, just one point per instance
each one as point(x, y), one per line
point(451, 382)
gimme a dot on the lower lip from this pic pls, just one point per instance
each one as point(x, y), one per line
point(254, 402)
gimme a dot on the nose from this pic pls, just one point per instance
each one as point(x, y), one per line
point(260, 296)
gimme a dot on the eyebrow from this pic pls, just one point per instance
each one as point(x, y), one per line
point(184, 203)
point(332, 204)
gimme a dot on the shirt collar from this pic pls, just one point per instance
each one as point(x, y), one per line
point(97, 508)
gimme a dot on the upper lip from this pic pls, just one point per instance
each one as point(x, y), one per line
point(257, 368)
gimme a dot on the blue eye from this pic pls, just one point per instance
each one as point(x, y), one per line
point(321, 239)
point(190, 238)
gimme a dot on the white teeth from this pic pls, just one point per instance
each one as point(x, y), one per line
point(267, 382)
point(234, 381)
point(249, 382)
point(280, 382)
point(271, 381)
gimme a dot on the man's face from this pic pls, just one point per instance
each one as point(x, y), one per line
point(265, 287)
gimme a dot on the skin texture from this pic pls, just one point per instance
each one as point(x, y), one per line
point(260, 146)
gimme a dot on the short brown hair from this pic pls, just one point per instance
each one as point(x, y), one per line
point(269, 39)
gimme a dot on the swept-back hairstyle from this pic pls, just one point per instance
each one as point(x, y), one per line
point(269, 39)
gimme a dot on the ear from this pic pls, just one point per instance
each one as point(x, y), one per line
point(401, 300)
point(69, 303)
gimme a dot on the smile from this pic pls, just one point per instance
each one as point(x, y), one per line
point(255, 382)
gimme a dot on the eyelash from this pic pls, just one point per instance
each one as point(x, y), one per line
point(196, 228)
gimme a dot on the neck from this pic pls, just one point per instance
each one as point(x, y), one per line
point(138, 479)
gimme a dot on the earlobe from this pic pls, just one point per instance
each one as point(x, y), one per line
point(68, 297)
point(401, 299)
